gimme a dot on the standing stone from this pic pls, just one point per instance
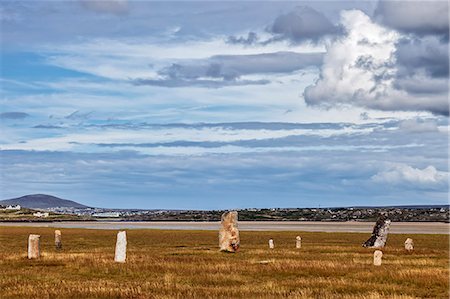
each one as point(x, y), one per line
point(409, 245)
point(271, 245)
point(298, 242)
point(229, 233)
point(377, 255)
point(58, 243)
point(121, 247)
point(34, 247)
point(379, 234)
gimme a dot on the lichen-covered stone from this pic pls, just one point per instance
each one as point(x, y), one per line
point(409, 244)
point(379, 234)
point(229, 233)
point(121, 247)
point(377, 257)
point(34, 246)
point(58, 243)
point(298, 242)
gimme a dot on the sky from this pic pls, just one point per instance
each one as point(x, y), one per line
point(225, 105)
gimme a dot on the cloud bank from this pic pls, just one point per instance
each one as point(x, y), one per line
point(418, 17)
point(401, 174)
point(227, 70)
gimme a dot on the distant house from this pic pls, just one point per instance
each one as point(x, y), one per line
point(13, 208)
point(40, 215)
point(107, 215)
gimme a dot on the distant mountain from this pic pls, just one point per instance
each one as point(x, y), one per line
point(41, 201)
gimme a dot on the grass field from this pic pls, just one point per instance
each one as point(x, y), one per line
point(187, 264)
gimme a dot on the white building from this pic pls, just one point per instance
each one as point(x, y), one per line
point(107, 215)
point(40, 215)
point(15, 208)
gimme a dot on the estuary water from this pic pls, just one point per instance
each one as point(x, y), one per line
point(307, 226)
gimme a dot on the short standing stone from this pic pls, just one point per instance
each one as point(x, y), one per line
point(58, 243)
point(409, 244)
point(377, 256)
point(271, 245)
point(121, 247)
point(298, 242)
point(229, 240)
point(379, 234)
point(34, 246)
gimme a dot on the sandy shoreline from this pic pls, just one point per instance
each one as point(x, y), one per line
point(309, 226)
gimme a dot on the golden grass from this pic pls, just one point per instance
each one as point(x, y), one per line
point(187, 264)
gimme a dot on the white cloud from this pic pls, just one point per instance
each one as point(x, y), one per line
point(85, 140)
point(352, 62)
point(402, 173)
point(360, 69)
point(124, 59)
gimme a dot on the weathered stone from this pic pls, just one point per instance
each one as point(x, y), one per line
point(58, 243)
point(377, 256)
point(379, 234)
point(271, 245)
point(229, 233)
point(409, 244)
point(298, 242)
point(34, 246)
point(121, 247)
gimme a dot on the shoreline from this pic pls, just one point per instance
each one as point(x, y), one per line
point(307, 226)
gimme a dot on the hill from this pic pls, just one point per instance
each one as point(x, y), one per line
point(41, 201)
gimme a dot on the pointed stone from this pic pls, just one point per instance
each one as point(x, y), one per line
point(229, 240)
point(121, 247)
point(58, 243)
point(298, 242)
point(409, 245)
point(34, 246)
point(271, 244)
point(379, 234)
point(377, 256)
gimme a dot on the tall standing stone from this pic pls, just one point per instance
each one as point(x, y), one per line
point(58, 243)
point(229, 233)
point(379, 233)
point(271, 245)
point(377, 256)
point(34, 246)
point(409, 245)
point(298, 242)
point(121, 247)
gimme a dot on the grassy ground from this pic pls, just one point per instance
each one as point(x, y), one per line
point(27, 214)
point(187, 264)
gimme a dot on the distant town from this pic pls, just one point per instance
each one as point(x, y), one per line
point(49, 208)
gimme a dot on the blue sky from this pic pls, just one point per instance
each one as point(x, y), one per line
point(221, 105)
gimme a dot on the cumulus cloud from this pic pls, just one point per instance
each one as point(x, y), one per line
point(361, 69)
point(303, 23)
point(402, 173)
point(116, 7)
point(227, 70)
point(419, 17)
